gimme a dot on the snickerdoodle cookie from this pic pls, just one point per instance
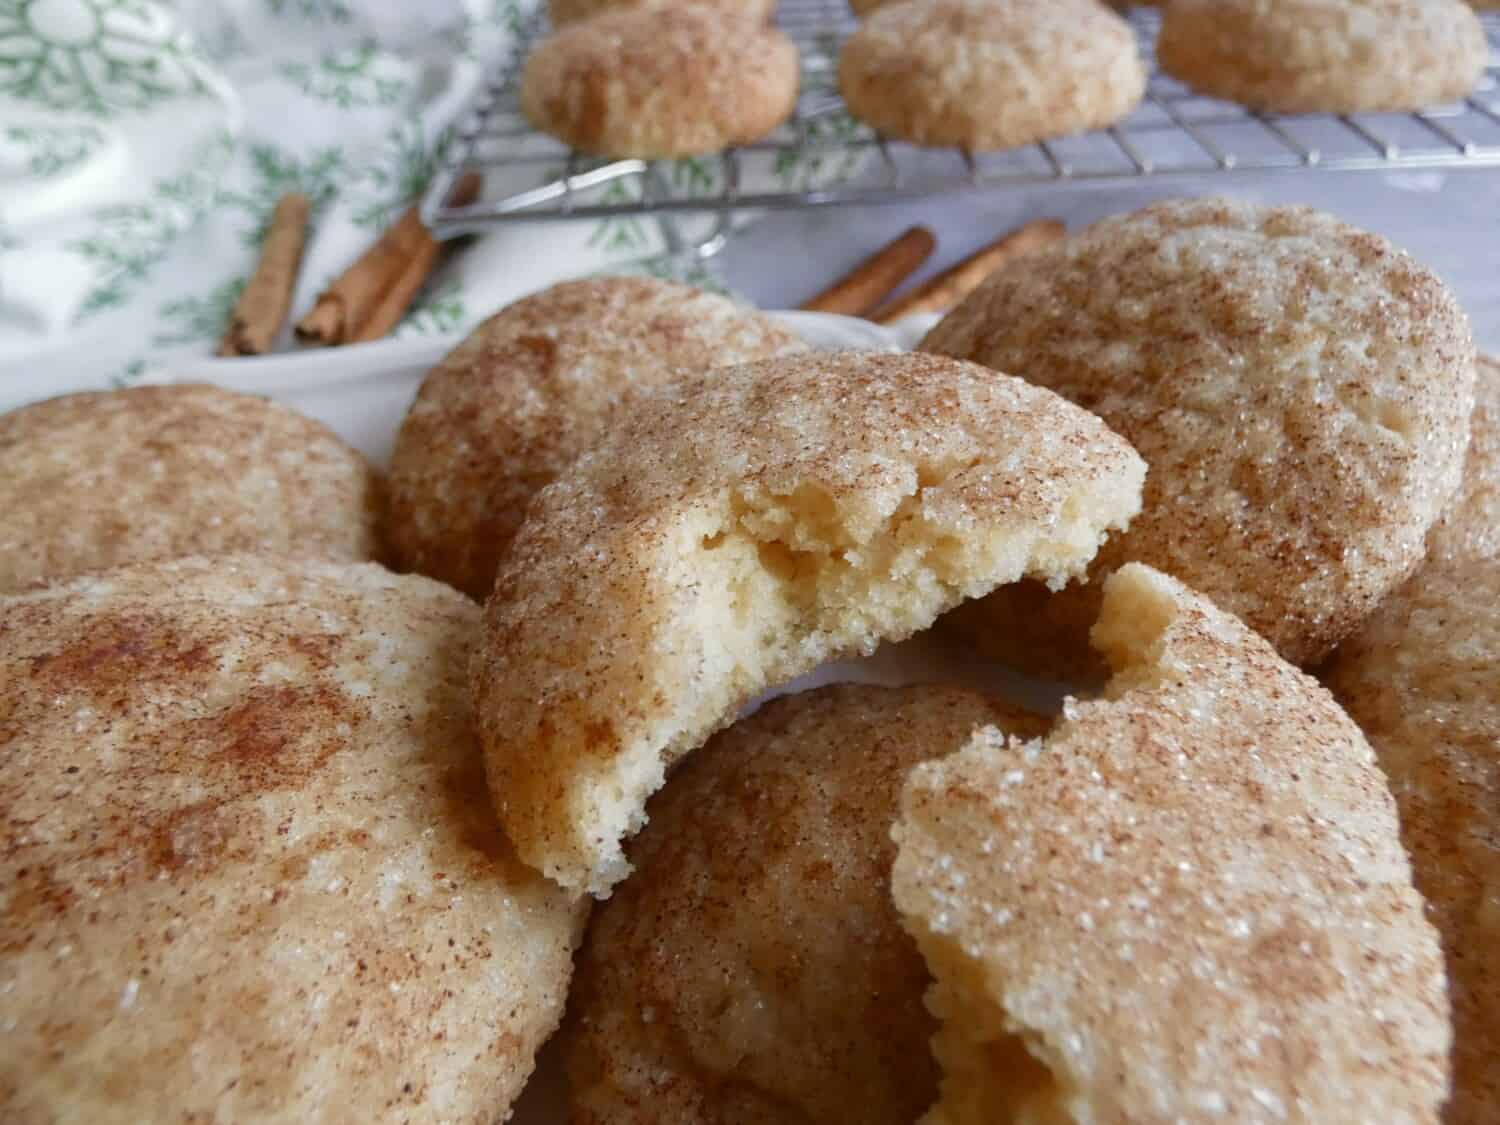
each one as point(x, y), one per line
point(250, 867)
point(990, 74)
point(1300, 389)
point(1331, 56)
point(679, 81)
point(752, 970)
point(1188, 903)
point(567, 11)
point(97, 480)
point(734, 530)
point(529, 390)
point(1423, 680)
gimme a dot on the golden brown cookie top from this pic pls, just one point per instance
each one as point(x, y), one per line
point(1300, 390)
point(676, 81)
point(528, 391)
point(245, 837)
point(733, 531)
point(1189, 902)
point(106, 478)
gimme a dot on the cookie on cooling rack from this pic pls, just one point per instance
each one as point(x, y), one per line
point(569, 11)
point(1300, 389)
point(1188, 903)
point(990, 74)
point(1423, 680)
point(681, 81)
point(250, 868)
point(529, 390)
point(97, 480)
point(752, 971)
point(1470, 528)
point(1324, 56)
point(736, 529)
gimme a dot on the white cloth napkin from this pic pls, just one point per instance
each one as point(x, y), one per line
point(143, 145)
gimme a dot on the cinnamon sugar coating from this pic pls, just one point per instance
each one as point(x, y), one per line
point(664, 82)
point(567, 11)
point(1324, 56)
point(1300, 389)
point(528, 391)
point(752, 970)
point(737, 529)
point(106, 478)
point(1189, 903)
point(1422, 678)
point(1470, 528)
point(990, 74)
point(248, 863)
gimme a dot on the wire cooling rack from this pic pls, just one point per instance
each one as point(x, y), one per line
point(823, 157)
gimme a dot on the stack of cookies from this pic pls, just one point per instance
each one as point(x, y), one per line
point(671, 78)
point(289, 834)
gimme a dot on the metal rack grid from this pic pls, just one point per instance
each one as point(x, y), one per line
point(824, 157)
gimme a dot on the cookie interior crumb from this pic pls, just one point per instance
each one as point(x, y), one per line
point(823, 504)
point(795, 588)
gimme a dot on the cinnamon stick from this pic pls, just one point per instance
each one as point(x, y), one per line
point(342, 311)
point(956, 282)
point(261, 310)
point(348, 302)
point(393, 305)
point(874, 279)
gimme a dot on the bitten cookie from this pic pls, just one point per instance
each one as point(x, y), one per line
point(735, 530)
point(752, 971)
point(98, 480)
point(1423, 680)
point(1328, 56)
point(528, 391)
point(990, 74)
point(1470, 528)
point(1300, 389)
point(1188, 903)
point(250, 869)
point(567, 11)
point(681, 81)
